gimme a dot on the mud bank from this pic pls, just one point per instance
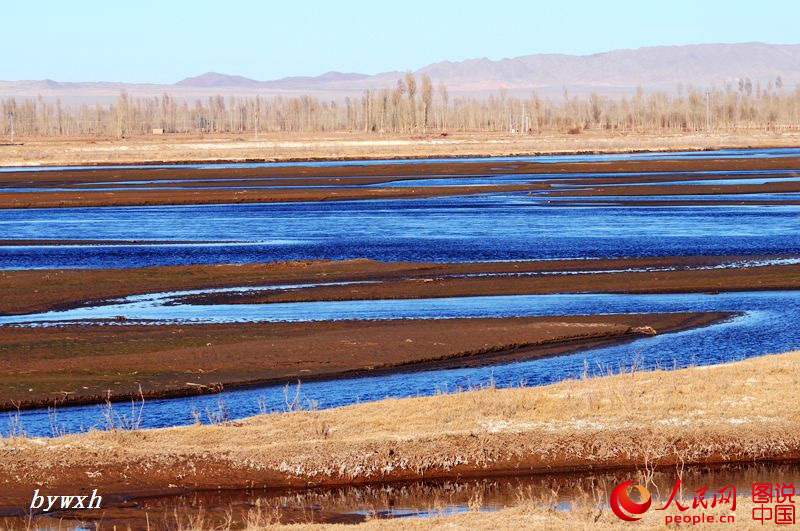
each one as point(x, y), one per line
point(347, 182)
point(641, 281)
point(71, 365)
point(30, 291)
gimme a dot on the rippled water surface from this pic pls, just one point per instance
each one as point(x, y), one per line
point(437, 498)
point(505, 226)
point(474, 228)
point(767, 324)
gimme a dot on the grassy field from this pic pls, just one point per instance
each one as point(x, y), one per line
point(284, 146)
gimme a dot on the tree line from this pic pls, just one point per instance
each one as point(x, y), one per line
point(415, 106)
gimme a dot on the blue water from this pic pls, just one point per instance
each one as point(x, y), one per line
point(473, 228)
point(768, 325)
point(508, 226)
point(165, 310)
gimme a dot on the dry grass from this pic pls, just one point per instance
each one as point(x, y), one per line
point(738, 411)
point(32, 152)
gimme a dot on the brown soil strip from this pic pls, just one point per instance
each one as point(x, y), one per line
point(784, 277)
point(195, 180)
point(208, 197)
point(595, 181)
point(372, 173)
point(310, 176)
point(14, 243)
point(663, 418)
point(678, 190)
point(30, 291)
point(81, 364)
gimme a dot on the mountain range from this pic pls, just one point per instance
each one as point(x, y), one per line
point(614, 73)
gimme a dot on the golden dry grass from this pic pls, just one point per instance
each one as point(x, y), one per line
point(737, 411)
point(283, 146)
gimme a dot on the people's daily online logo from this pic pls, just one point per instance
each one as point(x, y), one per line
point(624, 507)
point(771, 503)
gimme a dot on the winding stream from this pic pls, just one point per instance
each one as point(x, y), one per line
point(504, 226)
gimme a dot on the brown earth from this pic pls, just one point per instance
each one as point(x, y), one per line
point(82, 364)
point(300, 175)
point(30, 291)
point(678, 190)
point(780, 277)
point(306, 178)
point(208, 197)
point(634, 419)
point(78, 364)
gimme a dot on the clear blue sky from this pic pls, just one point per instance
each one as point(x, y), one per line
point(165, 41)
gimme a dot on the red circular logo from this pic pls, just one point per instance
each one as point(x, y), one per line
point(620, 500)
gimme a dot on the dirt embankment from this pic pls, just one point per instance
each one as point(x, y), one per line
point(661, 418)
point(81, 364)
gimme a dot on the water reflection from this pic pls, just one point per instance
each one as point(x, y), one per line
point(437, 498)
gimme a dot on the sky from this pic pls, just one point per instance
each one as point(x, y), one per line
point(165, 41)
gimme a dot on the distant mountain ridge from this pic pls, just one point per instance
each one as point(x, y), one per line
point(215, 79)
point(613, 73)
point(702, 64)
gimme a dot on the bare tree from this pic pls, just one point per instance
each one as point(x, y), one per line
point(411, 86)
point(445, 100)
point(427, 99)
point(732, 108)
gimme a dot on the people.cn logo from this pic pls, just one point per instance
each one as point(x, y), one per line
point(624, 507)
